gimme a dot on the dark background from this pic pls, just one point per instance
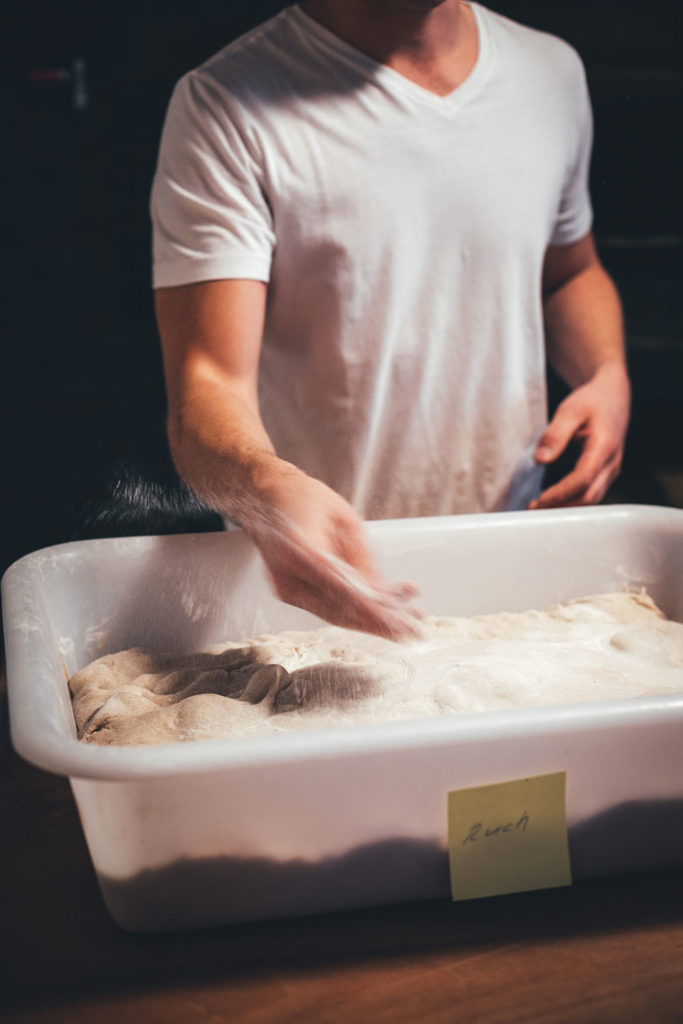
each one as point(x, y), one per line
point(81, 376)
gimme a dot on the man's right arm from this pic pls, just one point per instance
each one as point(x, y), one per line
point(310, 538)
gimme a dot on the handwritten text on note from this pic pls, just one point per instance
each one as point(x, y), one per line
point(508, 837)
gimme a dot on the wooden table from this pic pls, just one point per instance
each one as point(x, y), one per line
point(602, 951)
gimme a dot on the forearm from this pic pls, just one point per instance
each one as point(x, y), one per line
point(221, 449)
point(584, 328)
point(211, 335)
point(310, 539)
point(585, 343)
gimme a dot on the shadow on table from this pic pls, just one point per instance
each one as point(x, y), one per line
point(190, 893)
point(112, 960)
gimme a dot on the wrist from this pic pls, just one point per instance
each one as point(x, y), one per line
point(613, 375)
point(268, 476)
point(270, 484)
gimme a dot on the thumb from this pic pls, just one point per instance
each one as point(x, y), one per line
point(559, 432)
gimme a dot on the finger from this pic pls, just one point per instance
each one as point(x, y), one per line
point(344, 608)
point(403, 591)
point(383, 589)
point(598, 489)
point(568, 419)
point(329, 587)
point(340, 594)
point(349, 545)
point(352, 550)
point(368, 595)
point(347, 542)
point(563, 494)
point(574, 484)
point(573, 488)
point(332, 570)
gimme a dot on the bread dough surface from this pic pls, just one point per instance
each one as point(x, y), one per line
point(596, 648)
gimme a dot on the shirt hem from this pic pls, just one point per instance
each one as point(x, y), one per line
point(168, 275)
point(574, 234)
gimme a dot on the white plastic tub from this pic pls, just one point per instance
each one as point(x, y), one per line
point(221, 831)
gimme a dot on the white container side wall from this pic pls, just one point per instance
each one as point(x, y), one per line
point(211, 832)
point(304, 837)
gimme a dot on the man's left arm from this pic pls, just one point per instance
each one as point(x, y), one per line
point(585, 345)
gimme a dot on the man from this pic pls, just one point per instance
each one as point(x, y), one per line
point(364, 211)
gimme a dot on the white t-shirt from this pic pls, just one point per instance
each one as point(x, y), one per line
point(402, 235)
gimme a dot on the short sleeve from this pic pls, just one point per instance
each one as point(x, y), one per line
point(210, 215)
point(575, 213)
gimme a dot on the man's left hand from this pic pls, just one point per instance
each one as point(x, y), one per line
point(596, 416)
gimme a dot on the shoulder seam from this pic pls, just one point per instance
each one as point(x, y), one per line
point(245, 41)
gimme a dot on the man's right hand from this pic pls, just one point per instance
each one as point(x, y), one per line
point(313, 545)
point(310, 538)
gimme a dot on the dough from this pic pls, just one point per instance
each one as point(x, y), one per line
point(598, 648)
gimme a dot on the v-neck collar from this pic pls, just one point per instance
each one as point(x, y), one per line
point(392, 79)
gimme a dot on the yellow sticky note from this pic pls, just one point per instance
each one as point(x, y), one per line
point(509, 837)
